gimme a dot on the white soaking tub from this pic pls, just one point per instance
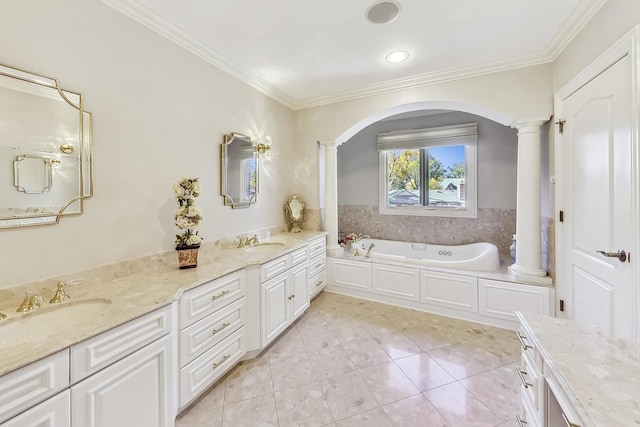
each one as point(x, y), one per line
point(475, 256)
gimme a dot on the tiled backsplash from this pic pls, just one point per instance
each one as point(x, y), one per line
point(496, 226)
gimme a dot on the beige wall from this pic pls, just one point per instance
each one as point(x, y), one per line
point(613, 21)
point(508, 96)
point(160, 113)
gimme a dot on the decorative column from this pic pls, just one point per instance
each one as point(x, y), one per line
point(331, 198)
point(528, 265)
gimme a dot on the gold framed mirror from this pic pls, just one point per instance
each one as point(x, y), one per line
point(295, 213)
point(46, 135)
point(240, 172)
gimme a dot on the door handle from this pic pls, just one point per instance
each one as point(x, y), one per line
point(621, 255)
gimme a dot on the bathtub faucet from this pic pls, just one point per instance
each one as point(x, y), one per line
point(360, 237)
point(371, 246)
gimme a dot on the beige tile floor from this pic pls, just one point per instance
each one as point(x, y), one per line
point(350, 362)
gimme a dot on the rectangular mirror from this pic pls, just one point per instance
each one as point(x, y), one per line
point(240, 171)
point(46, 135)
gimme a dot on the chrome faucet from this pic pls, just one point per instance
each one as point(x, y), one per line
point(253, 240)
point(371, 246)
point(360, 237)
point(31, 302)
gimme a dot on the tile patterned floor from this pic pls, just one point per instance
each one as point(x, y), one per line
point(350, 362)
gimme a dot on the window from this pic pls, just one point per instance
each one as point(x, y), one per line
point(429, 171)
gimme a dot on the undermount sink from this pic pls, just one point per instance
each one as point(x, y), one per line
point(48, 320)
point(263, 247)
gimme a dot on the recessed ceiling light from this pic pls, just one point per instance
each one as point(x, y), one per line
point(383, 12)
point(397, 56)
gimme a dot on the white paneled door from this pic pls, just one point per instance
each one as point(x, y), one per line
point(595, 170)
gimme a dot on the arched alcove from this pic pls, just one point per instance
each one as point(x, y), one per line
point(528, 268)
point(478, 110)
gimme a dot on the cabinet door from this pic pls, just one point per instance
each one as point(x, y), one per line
point(53, 412)
point(136, 391)
point(299, 295)
point(274, 307)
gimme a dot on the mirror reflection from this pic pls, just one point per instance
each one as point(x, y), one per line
point(46, 135)
point(295, 212)
point(32, 174)
point(240, 171)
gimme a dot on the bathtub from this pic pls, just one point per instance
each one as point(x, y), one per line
point(475, 256)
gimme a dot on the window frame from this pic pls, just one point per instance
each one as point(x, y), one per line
point(463, 134)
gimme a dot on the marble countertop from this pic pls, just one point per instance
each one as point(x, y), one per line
point(503, 274)
point(600, 376)
point(135, 288)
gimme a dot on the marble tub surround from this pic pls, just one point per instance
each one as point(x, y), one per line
point(135, 287)
point(496, 226)
point(600, 376)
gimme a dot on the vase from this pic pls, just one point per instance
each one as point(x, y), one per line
point(188, 256)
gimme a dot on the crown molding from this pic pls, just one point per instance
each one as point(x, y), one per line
point(138, 13)
point(576, 22)
point(570, 29)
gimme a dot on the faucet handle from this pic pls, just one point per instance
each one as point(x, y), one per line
point(61, 295)
point(3, 316)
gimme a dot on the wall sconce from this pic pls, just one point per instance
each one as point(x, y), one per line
point(263, 148)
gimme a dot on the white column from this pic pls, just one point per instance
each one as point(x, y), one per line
point(528, 265)
point(331, 198)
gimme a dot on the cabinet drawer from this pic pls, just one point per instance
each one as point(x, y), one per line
point(298, 256)
point(204, 334)
point(531, 381)
point(317, 264)
point(198, 375)
point(317, 284)
point(32, 384)
point(53, 412)
point(200, 302)
point(98, 352)
point(317, 247)
point(274, 267)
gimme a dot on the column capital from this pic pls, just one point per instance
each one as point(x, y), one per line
point(532, 121)
point(329, 143)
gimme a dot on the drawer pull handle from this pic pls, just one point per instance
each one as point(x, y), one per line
point(521, 374)
point(317, 247)
point(521, 422)
point(291, 296)
point(524, 345)
point(224, 325)
point(220, 295)
point(215, 365)
point(318, 265)
point(319, 283)
point(567, 422)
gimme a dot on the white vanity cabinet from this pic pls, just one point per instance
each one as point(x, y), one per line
point(121, 377)
point(53, 412)
point(125, 376)
point(317, 266)
point(284, 293)
point(32, 384)
point(212, 333)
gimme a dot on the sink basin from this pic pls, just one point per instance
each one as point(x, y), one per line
point(263, 247)
point(49, 320)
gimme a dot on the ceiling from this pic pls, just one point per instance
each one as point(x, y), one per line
point(308, 53)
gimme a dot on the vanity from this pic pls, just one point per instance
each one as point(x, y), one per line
point(574, 376)
point(138, 348)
